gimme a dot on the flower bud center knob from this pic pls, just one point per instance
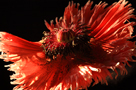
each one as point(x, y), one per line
point(65, 35)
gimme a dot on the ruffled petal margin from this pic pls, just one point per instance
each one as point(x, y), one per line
point(33, 72)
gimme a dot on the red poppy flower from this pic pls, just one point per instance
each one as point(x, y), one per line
point(79, 49)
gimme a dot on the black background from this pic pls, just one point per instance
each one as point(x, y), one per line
point(25, 18)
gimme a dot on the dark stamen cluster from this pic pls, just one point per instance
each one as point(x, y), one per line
point(80, 43)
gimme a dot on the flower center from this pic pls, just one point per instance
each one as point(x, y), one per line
point(65, 35)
